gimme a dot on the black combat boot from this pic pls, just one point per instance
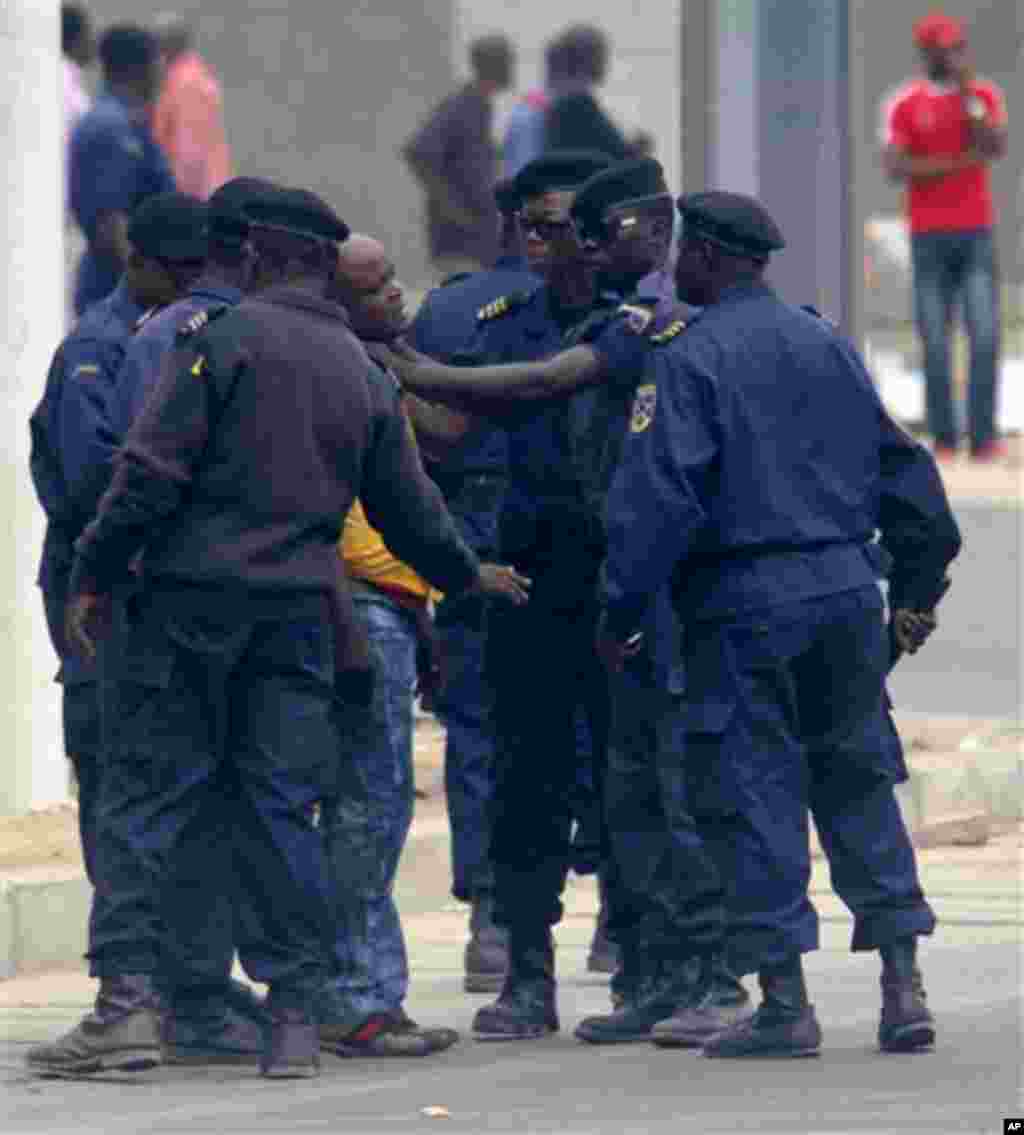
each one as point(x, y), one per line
point(784, 1024)
point(718, 1002)
point(292, 1049)
point(486, 958)
point(223, 1025)
point(120, 1034)
point(649, 990)
point(603, 956)
point(906, 1023)
point(526, 1008)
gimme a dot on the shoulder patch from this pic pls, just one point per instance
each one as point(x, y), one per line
point(502, 306)
point(676, 327)
point(643, 408)
point(197, 322)
point(145, 317)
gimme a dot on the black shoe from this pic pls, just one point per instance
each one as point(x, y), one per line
point(719, 1002)
point(121, 1034)
point(227, 1039)
point(292, 1050)
point(526, 1008)
point(387, 1034)
point(783, 1026)
point(486, 957)
point(906, 1024)
point(650, 997)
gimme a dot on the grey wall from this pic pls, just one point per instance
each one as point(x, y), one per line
point(321, 92)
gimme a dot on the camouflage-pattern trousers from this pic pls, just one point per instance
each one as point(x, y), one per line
point(365, 827)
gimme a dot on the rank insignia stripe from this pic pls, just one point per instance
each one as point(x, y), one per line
point(85, 368)
point(670, 332)
point(643, 408)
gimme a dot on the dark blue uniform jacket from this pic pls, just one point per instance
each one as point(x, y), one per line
point(759, 467)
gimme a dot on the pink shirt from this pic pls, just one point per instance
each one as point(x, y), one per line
point(188, 124)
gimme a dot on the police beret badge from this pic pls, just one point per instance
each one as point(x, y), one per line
point(643, 408)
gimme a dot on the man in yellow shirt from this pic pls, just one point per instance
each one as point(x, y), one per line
point(366, 829)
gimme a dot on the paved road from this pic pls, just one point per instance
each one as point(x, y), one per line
point(968, 1084)
point(972, 664)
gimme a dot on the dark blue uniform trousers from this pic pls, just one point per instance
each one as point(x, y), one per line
point(464, 707)
point(670, 901)
point(787, 715)
point(219, 737)
point(544, 669)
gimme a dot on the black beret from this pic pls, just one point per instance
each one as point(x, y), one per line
point(170, 226)
point(506, 196)
point(558, 169)
point(300, 212)
point(624, 181)
point(737, 223)
point(229, 220)
point(126, 47)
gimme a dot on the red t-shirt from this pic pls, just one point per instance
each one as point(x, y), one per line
point(928, 119)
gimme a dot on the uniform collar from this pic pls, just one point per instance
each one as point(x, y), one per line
point(124, 305)
point(135, 112)
point(744, 291)
point(285, 295)
point(512, 261)
point(208, 287)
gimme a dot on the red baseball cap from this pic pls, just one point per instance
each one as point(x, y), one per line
point(939, 30)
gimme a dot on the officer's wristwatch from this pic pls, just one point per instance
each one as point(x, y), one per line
point(976, 109)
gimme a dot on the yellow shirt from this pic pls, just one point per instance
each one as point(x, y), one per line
point(367, 558)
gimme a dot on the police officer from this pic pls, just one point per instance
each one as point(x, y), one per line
point(73, 443)
point(758, 467)
point(213, 1018)
point(551, 647)
point(472, 476)
point(234, 481)
point(114, 162)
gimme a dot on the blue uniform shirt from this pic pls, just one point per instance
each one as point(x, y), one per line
point(114, 165)
point(72, 437)
point(144, 356)
point(758, 466)
point(445, 326)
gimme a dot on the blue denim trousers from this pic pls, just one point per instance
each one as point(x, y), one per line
point(365, 827)
point(952, 267)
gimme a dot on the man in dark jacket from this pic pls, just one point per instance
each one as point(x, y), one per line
point(234, 483)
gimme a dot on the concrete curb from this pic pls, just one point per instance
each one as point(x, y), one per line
point(43, 913)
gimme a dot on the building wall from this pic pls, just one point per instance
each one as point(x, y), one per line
point(321, 93)
point(642, 91)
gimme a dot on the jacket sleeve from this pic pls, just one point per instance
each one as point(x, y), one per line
point(657, 504)
point(87, 441)
point(917, 525)
point(152, 473)
point(402, 502)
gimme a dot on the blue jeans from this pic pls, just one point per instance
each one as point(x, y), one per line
point(949, 266)
point(365, 827)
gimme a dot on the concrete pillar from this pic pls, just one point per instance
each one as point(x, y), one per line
point(775, 82)
point(32, 766)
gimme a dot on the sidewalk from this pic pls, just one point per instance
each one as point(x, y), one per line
point(1000, 483)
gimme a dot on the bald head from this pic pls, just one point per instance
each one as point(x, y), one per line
point(358, 252)
point(368, 288)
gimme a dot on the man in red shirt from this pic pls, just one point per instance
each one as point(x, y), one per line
point(940, 133)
